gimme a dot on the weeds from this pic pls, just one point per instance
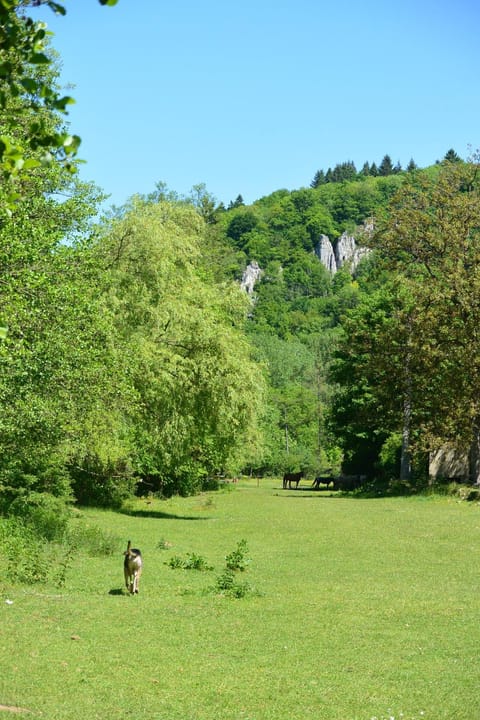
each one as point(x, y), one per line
point(164, 544)
point(235, 562)
point(191, 562)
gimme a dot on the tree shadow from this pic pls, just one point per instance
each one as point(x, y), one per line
point(159, 515)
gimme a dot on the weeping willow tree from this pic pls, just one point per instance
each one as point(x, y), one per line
point(196, 394)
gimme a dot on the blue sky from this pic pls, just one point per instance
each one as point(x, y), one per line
point(256, 96)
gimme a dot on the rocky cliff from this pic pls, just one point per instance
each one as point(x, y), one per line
point(343, 252)
point(251, 275)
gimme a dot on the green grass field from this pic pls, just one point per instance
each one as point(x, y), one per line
point(361, 609)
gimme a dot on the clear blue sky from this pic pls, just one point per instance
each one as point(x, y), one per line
point(255, 96)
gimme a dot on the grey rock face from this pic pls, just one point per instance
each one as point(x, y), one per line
point(251, 275)
point(344, 252)
point(325, 253)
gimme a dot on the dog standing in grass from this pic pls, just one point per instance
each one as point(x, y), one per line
point(132, 567)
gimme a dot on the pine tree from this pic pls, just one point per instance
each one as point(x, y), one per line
point(386, 166)
point(451, 156)
point(238, 202)
point(412, 165)
point(318, 179)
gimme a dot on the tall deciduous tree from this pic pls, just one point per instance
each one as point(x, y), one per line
point(431, 236)
point(197, 393)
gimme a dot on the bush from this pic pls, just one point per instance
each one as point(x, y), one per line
point(102, 484)
point(235, 562)
point(92, 540)
point(46, 514)
point(24, 558)
point(191, 562)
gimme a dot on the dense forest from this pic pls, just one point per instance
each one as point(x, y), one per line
point(134, 358)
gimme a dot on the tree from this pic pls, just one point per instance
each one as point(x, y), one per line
point(430, 235)
point(318, 179)
point(25, 96)
point(238, 202)
point(451, 156)
point(386, 166)
point(57, 373)
point(196, 394)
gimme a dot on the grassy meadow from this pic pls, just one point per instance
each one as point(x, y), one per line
point(357, 609)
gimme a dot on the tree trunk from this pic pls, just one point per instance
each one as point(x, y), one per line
point(474, 457)
point(405, 458)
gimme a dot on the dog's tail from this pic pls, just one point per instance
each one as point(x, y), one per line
point(129, 547)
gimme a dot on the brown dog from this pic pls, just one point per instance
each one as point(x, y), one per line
point(132, 567)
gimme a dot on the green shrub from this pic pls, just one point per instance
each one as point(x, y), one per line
point(92, 540)
point(25, 557)
point(237, 560)
point(99, 484)
point(191, 562)
point(46, 514)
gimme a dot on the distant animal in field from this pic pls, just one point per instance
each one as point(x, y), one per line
point(322, 480)
point(132, 567)
point(290, 478)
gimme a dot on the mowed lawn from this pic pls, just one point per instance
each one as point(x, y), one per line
point(362, 609)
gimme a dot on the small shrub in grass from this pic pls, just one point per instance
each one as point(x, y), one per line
point(191, 562)
point(164, 544)
point(175, 562)
point(227, 585)
point(237, 560)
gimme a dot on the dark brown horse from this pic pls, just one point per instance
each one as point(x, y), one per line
point(290, 478)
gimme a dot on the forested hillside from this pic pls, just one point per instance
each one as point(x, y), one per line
point(370, 363)
point(133, 357)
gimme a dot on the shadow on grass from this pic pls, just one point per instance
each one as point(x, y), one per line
point(311, 493)
point(159, 515)
point(116, 591)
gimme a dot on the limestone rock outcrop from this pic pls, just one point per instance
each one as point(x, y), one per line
point(252, 273)
point(344, 252)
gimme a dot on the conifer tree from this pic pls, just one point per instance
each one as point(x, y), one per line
point(451, 156)
point(318, 179)
point(386, 166)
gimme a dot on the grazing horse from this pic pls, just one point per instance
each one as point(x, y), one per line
point(290, 478)
point(322, 480)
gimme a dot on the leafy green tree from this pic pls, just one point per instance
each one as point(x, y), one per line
point(241, 223)
point(430, 235)
point(197, 394)
point(28, 97)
